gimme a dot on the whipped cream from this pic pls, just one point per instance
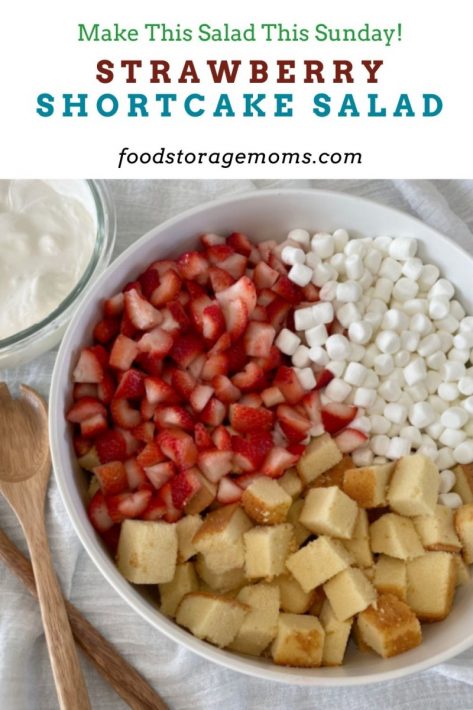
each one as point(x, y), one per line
point(46, 242)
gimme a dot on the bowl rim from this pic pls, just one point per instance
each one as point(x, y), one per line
point(88, 537)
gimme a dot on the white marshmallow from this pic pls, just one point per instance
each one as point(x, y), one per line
point(390, 269)
point(447, 480)
point(459, 355)
point(337, 390)
point(292, 255)
point(403, 248)
point(376, 305)
point(463, 453)
point(323, 244)
point(379, 444)
point(355, 246)
point(409, 340)
point(452, 437)
point(402, 358)
point(337, 367)
point(349, 292)
point(371, 380)
point(328, 291)
point(446, 339)
point(382, 243)
point(348, 313)
point(323, 312)
point(306, 378)
point(445, 458)
point(394, 319)
point(360, 332)
point(374, 320)
point(452, 371)
point(412, 268)
point(463, 341)
point(299, 235)
point(439, 404)
point(323, 273)
point(301, 357)
point(450, 324)
point(454, 418)
point(379, 424)
point(429, 345)
point(362, 456)
point(465, 385)
point(388, 341)
point(318, 355)
point(442, 288)
point(361, 424)
point(300, 274)
point(383, 289)
point(338, 347)
point(448, 391)
point(317, 335)
point(312, 260)
point(457, 310)
point(434, 430)
point(373, 260)
point(421, 414)
point(304, 318)
point(450, 500)
point(412, 434)
point(405, 289)
point(436, 360)
point(354, 266)
point(389, 391)
point(429, 276)
point(415, 305)
point(287, 341)
point(355, 374)
point(415, 371)
point(364, 397)
point(366, 280)
point(378, 406)
point(419, 323)
point(395, 413)
point(439, 308)
point(398, 447)
point(340, 237)
point(466, 324)
point(432, 381)
point(357, 352)
point(371, 353)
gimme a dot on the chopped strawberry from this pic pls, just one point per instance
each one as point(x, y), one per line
point(272, 396)
point(228, 491)
point(160, 473)
point(219, 252)
point(106, 388)
point(111, 446)
point(162, 266)
point(312, 406)
point(235, 265)
point(93, 426)
point(106, 330)
point(84, 389)
point(254, 257)
point(114, 306)
point(259, 314)
point(144, 432)
point(276, 264)
point(236, 357)
point(147, 410)
point(240, 243)
point(251, 399)
point(158, 342)
point(85, 408)
point(277, 461)
point(202, 437)
point(178, 446)
point(132, 444)
point(132, 286)
point(183, 382)
point(225, 390)
point(243, 290)
point(199, 397)
point(214, 412)
point(123, 414)
point(149, 282)
point(197, 307)
point(220, 279)
point(173, 416)
point(130, 385)
point(169, 287)
point(259, 339)
point(350, 439)
point(185, 349)
point(197, 365)
point(169, 324)
point(111, 477)
point(246, 419)
point(293, 424)
point(209, 240)
point(250, 379)
point(221, 438)
point(156, 508)
point(251, 451)
point(192, 265)
point(296, 449)
point(89, 368)
point(288, 382)
point(272, 361)
point(265, 297)
point(183, 486)
point(140, 311)
point(150, 363)
point(246, 479)
point(150, 455)
point(213, 322)
point(336, 416)
point(311, 293)
point(179, 314)
point(82, 445)
point(111, 538)
point(322, 378)
point(158, 391)
point(98, 513)
point(135, 475)
point(214, 366)
point(123, 352)
point(128, 505)
point(266, 248)
point(264, 276)
point(278, 311)
point(215, 464)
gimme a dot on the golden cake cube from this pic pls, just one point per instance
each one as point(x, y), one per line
point(390, 627)
point(267, 549)
point(299, 641)
point(266, 502)
point(463, 573)
point(211, 617)
point(318, 561)
point(147, 551)
point(334, 475)
point(293, 598)
point(186, 529)
point(336, 636)
point(291, 483)
point(220, 538)
point(431, 582)
point(260, 625)
point(359, 545)
point(321, 454)
point(464, 529)
point(349, 592)
point(395, 536)
point(300, 532)
point(368, 485)
point(390, 576)
point(437, 531)
point(329, 511)
point(464, 482)
point(414, 486)
point(172, 593)
point(220, 581)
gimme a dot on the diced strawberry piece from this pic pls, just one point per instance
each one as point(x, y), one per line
point(173, 416)
point(276, 264)
point(106, 330)
point(213, 322)
point(132, 444)
point(228, 491)
point(98, 513)
point(289, 291)
point(214, 412)
point(221, 438)
point(89, 368)
point(246, 479)
point(130, 385)
point(158, 342)
point(128, 505)
point(123, 414)
point(183, 382)
point(169, 287)
point(93, 426)
point(251, 451)
point(272, 361)
point(82, 445)
point(158, 391)
point(85, 408)
point(132, 286)
point(150, 455)
point(259, 339)
point(179, 314)
point(179, 447)
point(350, 439)
point(265, 248)
point(144, 432)
point(312, 406)
point(335, 327)
point(265, 297)
point(101, 354)
point(235, 265)
point(194, 290)
point(84, 389)
point(135, 474)
point(114, 306)
point(197, 307)
point(183, 487)
point(111, 538)
point(209, 240)
point(251, 399)
point(111, 477)
point(156, 508)
point(243, 290)
point(140, 311)
point(185, 349)
point(215, 365)
point(123, 352)
point(336, 416)
point(172, 513)
point(162, 266)
point(199, 397)
point(160, 473)
point(311, 293)
point(278, 311)
point(272, 396)
point(236, 357)
point(106, 388)
point(150, 363)
point(225, 390)
point(322, 378)
point(259, 314)
point(215, 464)
point(111, 446)
point(127, 328)
point(251, 378)
point(192, 265)
point(264, 276)
point(240, 243)
point(169, 324)
point(219, 252)
point(288, 382)
point(149, 282)
point(220, 279)
point(197, 365)
point(277, 461)
point(293, 424)
point(202, 437)
point(147, 410)
point(247, 419)
point(296, 449)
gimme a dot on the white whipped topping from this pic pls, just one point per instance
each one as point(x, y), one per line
point(46, 242)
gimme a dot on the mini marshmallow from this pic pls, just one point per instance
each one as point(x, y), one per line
point(301, 357)
point(323, 244)
point(287, 341)
point(452, 437)
point(447, 480)
point(362, 457)
point(300, 274)
point(373, 261)
point(337, 390)
point(304, 318)
point(323, 273)
point(348, 313)
point(402, 358)
point(338, 263)
point(415, 371)
point(389, 391)
point(452, 371)
point(299, 235)
point(457, 310)
point(410, 340)
point(446, 339)
point(355, 246)
point(379, 444)
point(382, 243)
point(360, 332)
point(337, 367)
point(371, 353)
point(312, 260)
point(463, 453)
point(419, 323)
point(394, 430)
point(398, 447)
point(394, 319)
point(429, 345)
point(412, 268)
point(439, 404)
point(395, 413)
point(364, 397)
point(405, 289)
point(436, 360)
point(448, 391)
point(318, 355)
point(421, 414)
point(340, 238)
point(328, 291)
point(366, 280)
point(459, 355)
point(439, 308)
point(442, 288)
point(338, 347)
point(379, 424)
point(306, 378)
point(402, 248)
point(450, 324)
point(463, 341)
point(292, 255)
point(432, 381)
point(356, 352)
point(317, 335)
point(445, 458)
point(465, 385)
point(349, 292)
point(466, 324)
point(428, 276)
point(412, 434)
point(354, 266)
point(323, 312)
point(454, 418)
point(376, 305)
point(374, 319)
point(388, 342)
point(355, 374)
point(383, 289)
point(390, 269)
point(450, 500)
point(378, 406)
point(415, 305)
point(361, 424)
point(434, 430)
point(371, 380)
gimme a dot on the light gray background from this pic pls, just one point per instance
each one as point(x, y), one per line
point(182, 678)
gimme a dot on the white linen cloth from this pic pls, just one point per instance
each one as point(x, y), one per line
point(186, 681)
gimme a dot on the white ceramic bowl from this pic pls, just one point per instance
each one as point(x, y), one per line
point(261, 215)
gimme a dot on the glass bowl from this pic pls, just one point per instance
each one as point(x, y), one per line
point(27, 344)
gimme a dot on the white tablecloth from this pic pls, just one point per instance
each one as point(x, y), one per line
point(183, 679)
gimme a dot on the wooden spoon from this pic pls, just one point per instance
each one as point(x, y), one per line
point(25, 466)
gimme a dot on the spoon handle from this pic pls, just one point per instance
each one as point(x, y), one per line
point(70, 685)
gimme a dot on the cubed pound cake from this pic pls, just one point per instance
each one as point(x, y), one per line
point(431, 582)
point(266, 502)
point(396, 536)
point(463, 573)
point(334, 475)
point(349, 592)
point(390, 576)
point(267, 549)
point(389, 628)
point(204, 496)
point(219, 581)
point(147, 551)
point(214, 618)
point(329, 511)
point(186, 528)
point(359, 544)
point(336, 636)
point(414, 486)
point(220, 540)
point(172, 593)
point(368, 485)
point(260, 625)
point(300, 532)
point(321, 454)
point(437, 531)
point(464, 529)
point(291, 483)
point(464, 482)
point(299, 641)
point(318, 561)
point(293, 598)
